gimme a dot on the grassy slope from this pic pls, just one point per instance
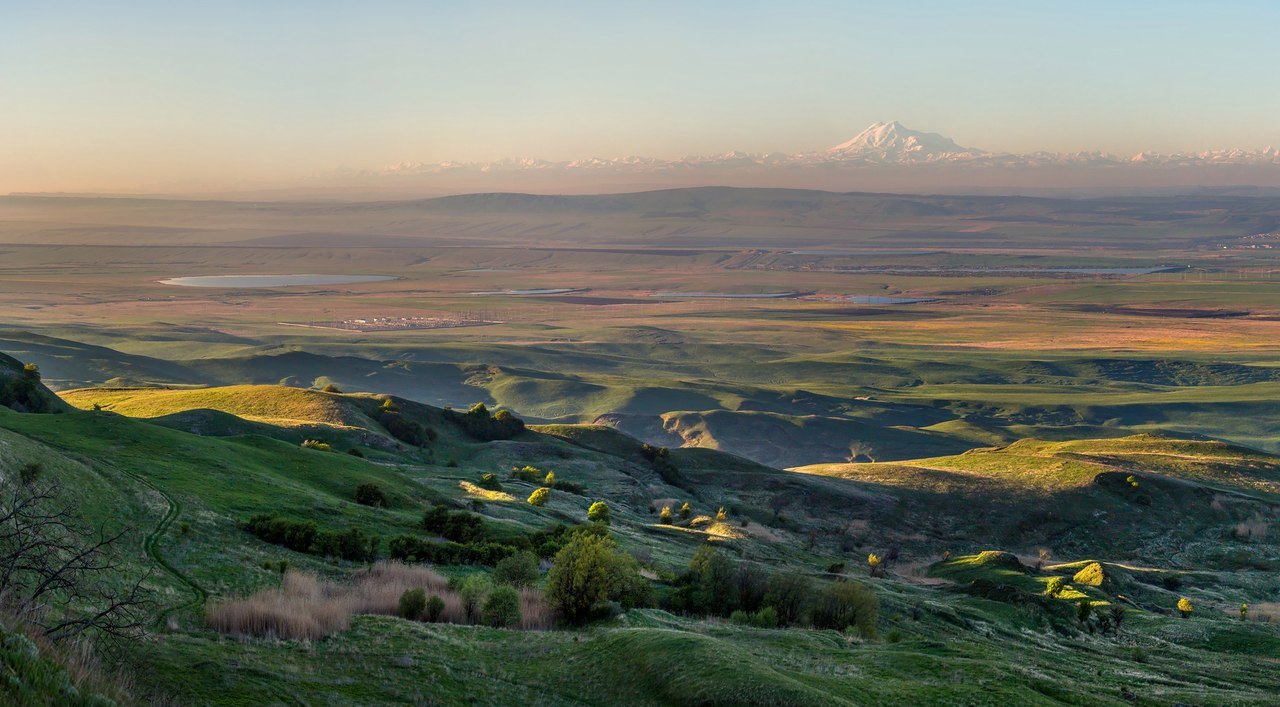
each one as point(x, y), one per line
point(954, 648)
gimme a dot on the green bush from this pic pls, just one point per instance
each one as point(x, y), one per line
point(316, 445)
point(480, 424)
point(1091, 575)
point(473, 591)
point(842, 604)
point(371, 494)
point(789, 595)
point(528, 474)
point(458, 526)
point(490, 482)
point(765, 618)
point(539, 496)
point(502, 608)
point(664, 516)
point(434, 608)
point(598, 512)
point(412, 604)
point(740, 617)
point(30, 472)
point(293, 534)
point(1055, 586)
point(549, 480)
point(590, 571)
point(518, 570)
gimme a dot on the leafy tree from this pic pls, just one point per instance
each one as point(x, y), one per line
point(873, 562)
point(550, 479)
point(1244, 612)
point(1084, 608)
point(518, 570)
point(589, 571)
point(502, 608)
point(789, 594)
point(1117, 616)
point(664, 516)
point(539, 496)
point(716, 585)
point(842, 604)
point(686, 511)
point(598, 512)
point(413, 602)
point(1185, 608)
point(434, 608)
point(371, 494)
point(473, 591)
point(1055, 586)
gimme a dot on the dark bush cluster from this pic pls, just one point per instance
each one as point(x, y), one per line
point(590, 576)
point(404, 429)
point(660, 459)
point(22, 392)
point(716, 585)
point(458, 526)
point(480, 424)
point(410, 548)
point(305, 536)
point(371, 494)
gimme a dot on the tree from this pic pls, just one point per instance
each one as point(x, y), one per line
point(1185, 608)
point(873, 562)
point(588, 571)
point(1117, 616)
point(550, 479)
point(716, 585)
point(1084, 608)
point(539, 496)
point(473, 591)
point(598, 512)
point(518, 570)
point(685, 511)
point(371, 494)
point(1244, 612)
point(664, 517)
point(842, 604)
point(412, 603)
point(389, 405)
point(502, 608)
point(59, 574)
point(789, 595)
point(1055, 586)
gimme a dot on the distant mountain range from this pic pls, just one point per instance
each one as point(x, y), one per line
point(880, 145)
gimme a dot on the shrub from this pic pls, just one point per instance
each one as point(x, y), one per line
point(413, 603)
point(371, 494)
point(480, 424)
point(351, 544)
point(539, 496)
point(389, 405)
point(316, 445)
point(473, 591)
point(406, 430)
point(30, 472)
point(490, 482)
point(664, 516)
point(789, 595)
point(1055, 586)
point(330, 388)
point(686, 511)
point(598, 513)
point(873, 562)
point(528, 474)
point(722, 515)
point(1244, 612)
point(434, 607)
point(518, 570)
point(1184, 607)
point(740, 617)
point(765, 618)
point(590, 571)
point(293, 534)
point(714, 582)
point(1084, 608)
point(550, 479)
point(458, 526)
point(502, 608)
point(842, 604)
point(1091, 575)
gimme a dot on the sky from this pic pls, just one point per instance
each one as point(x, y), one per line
point(146, 96)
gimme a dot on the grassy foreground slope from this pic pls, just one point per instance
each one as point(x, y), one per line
point(942, 636)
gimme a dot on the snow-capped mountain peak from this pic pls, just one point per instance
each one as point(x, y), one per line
point(893, 142)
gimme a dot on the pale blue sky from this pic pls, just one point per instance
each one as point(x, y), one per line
point(98, 95)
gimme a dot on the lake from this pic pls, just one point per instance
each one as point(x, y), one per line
point(271, 280)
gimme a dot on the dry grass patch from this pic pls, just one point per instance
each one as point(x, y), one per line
point(307, 608)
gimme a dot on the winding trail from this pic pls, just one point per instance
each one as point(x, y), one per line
point(150, 546)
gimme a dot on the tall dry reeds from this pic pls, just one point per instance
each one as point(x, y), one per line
point(305, 607)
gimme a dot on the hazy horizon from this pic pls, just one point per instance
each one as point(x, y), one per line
point(151, 98)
